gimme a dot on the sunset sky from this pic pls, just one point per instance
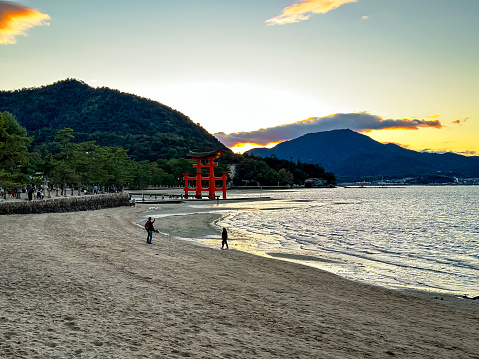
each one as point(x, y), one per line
point(265, 71)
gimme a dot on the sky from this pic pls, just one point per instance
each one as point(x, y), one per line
point(259, 72)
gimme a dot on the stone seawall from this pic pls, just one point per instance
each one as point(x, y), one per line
point(69, 204)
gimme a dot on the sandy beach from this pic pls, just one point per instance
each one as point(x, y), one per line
point(86, 285)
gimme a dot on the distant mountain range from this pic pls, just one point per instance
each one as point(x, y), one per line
point(349, 154)
point(148, 129)
point(151, 131)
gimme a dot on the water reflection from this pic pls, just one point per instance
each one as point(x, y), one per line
point(415, 236)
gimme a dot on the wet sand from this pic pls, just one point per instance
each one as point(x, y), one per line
point(86, 285)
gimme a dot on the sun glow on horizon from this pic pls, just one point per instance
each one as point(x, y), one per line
point(243, 147)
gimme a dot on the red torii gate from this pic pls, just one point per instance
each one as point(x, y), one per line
point(205, 160)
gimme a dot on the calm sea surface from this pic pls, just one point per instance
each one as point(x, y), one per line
point(413, 237)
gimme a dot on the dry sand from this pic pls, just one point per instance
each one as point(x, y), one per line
point(86, 285)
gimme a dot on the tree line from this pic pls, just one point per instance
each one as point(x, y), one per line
point(64, 162)
point(252, 170)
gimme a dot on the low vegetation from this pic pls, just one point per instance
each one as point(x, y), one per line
point(69, 204)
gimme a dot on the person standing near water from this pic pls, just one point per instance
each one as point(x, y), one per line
point(150, 229)
point(224, 236)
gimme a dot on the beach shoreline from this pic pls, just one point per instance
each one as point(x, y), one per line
point(86, 284)
point(202, 228)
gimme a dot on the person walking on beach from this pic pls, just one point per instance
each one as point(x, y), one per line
point(224, 236)
point(150, 229)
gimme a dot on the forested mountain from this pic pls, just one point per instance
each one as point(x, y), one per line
point(84, 136)
point(350, 154)
point(148, 129)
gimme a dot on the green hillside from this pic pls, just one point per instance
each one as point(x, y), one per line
point(137, 142)
point(148, 129)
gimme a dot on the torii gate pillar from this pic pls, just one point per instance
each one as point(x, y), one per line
point(205, 160)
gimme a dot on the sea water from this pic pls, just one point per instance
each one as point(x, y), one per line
point(416, 237)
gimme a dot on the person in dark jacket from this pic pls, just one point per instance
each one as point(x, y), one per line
point(224, 236)
point(150, 229)
point(30, 193)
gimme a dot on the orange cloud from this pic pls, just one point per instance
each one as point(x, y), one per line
point(360, 122)
point(304, 9)
point(403, 124)
point(15, 19)
point(460, 121)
